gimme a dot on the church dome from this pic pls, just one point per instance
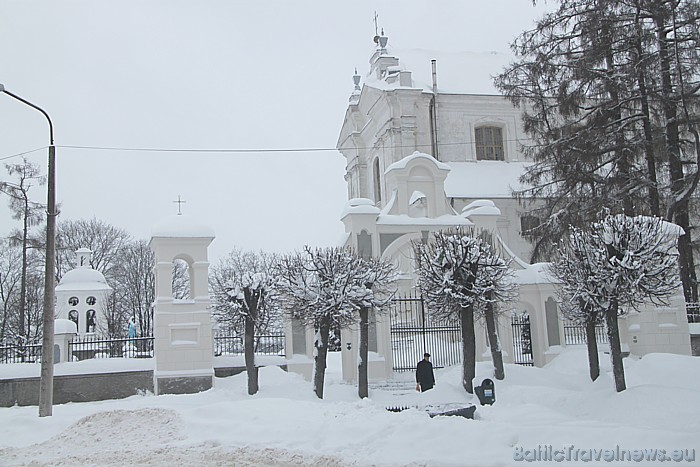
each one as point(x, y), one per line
point(181, 226)
point(83, 278)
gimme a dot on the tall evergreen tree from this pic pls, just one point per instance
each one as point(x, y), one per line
point(609, 92)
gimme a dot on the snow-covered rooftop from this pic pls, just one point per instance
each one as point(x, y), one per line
point(65, 326)
point(483, 179)
point(359, 206)
point(403, 163)
point(182, 226)
point(534, 274)
point(481, 207)
point(83, 278)
point(403, 219)
point(458, 71)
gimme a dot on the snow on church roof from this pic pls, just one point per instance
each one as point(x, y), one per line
point(181, 226)
point(83, 278)
point(458, 72)
point(537, 273)
point(403, 163)
point(484, 179)
point(359, 206)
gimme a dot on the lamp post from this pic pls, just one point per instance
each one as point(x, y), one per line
point(46, 384)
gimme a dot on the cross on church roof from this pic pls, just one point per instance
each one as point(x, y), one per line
point(179, 205)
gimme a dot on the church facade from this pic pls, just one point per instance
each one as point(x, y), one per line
point(421, 160)
point(392, 116)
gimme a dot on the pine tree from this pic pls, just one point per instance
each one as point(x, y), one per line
point(609, 92)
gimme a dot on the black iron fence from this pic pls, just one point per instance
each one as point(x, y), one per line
point(271, 344)
point(414, 331)
point(575, 334)
point(13, 353)
point(693, 310)
point(87, 347)
point(522, 340)
point(84, 348)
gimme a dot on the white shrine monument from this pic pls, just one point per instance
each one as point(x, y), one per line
point(81, 296)
point(183, 345)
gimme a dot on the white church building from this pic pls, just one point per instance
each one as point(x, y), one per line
point(421, 158)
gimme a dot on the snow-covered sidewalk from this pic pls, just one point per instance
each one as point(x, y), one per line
point(284, 424)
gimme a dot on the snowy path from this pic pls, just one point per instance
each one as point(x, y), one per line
point(285, 424)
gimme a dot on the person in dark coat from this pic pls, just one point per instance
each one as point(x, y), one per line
point(425, 379)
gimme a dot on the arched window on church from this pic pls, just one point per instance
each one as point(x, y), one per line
point(489, 143)
point(181, 279)
point(377, 182)
point(90, 321)
point(73, 316)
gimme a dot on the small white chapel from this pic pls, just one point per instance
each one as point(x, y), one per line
point(81, 296)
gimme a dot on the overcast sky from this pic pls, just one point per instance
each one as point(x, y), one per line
point(221, 74)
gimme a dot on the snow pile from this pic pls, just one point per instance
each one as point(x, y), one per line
point(285, 424)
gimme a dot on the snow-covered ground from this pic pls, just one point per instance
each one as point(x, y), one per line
point(285, 424)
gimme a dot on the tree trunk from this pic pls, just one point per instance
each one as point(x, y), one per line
point(23, 285)
point(362, 388)
point(249, 349)
point(592, 345)
point(678, 211)
point(320, 358)
point(649, 155)
point(468, 348)
point(625, 183)
point(494, 344)
point(252, 298)
point(615, 350)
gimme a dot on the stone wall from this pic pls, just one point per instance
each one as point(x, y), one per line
point(96, 387)
point(77, 388)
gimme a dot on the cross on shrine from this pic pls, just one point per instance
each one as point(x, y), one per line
point(179, 205)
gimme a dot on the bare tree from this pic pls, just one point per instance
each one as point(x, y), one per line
point(324, 287)
point(573, 266)
point(180, 283)
point(460, 274)
point(620, 263)
point(134, 289)
point(379, 278)
point(243, 288)
point(104, 240)
point(30, 214)
point(10, 278)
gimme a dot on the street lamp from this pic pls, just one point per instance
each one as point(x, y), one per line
point(46, 384)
